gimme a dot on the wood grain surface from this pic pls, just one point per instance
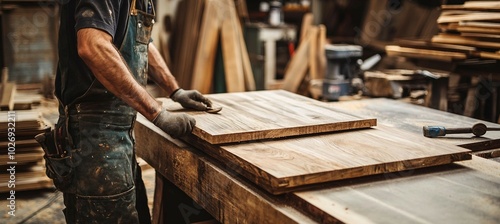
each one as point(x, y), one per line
point(285, 165)
point(463, 193)
point(228, 197)
point(267, 114)
point(466, 192)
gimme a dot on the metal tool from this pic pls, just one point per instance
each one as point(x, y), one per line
point(477, 129)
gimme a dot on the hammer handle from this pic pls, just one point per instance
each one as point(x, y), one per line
point(458, 130)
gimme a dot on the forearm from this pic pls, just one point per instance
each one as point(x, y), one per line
point(107, 65)
point(159, 72)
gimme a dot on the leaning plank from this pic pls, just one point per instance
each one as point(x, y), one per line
point(286, 165)
point(321, 56)
point(205, 56)
point(7, 98)
point(297, 67)
point(313, 61)
point(247, 67)
point(231, 51)
point(267, 114)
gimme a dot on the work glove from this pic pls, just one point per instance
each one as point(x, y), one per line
point(176, 125)
point(191, 99)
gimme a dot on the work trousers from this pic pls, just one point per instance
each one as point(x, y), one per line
point(106, 186)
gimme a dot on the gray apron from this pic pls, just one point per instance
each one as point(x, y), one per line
point(100, 174)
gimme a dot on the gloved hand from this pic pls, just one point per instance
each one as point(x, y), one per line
point(176, 125)
point(191, 99)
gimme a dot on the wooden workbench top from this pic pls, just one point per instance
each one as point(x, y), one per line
point(464, 192)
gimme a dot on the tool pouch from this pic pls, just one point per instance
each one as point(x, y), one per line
point(57, 157)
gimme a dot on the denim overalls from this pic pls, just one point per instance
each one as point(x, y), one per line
point(101, 176)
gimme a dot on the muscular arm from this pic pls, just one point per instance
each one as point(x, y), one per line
point(159, 72)
point(96, 49)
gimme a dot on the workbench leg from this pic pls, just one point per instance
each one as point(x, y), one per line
point(172, 205)
point(158, 202)
point(471, 100)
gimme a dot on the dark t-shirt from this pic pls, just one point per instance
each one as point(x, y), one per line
point(73, 76)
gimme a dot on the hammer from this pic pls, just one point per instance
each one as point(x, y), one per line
point(477, 129)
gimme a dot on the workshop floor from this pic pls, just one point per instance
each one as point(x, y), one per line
point(45, 206)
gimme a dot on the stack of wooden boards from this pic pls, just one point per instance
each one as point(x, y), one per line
point(284, 142)
point(24, 153)
point(195, 42)
point(471, 30)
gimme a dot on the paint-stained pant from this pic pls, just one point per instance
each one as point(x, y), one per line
point(106, 177)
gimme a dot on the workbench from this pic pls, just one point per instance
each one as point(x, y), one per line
point(190, 183)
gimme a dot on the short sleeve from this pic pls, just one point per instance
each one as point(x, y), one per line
point(99, 14)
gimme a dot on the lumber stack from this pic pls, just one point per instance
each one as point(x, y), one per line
point(468, 31)
point(21, 157)
point(475, 24)
point(200, 30)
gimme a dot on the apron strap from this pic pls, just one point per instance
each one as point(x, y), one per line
point(133, 10)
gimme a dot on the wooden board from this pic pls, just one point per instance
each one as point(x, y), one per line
point(424, 53)
point(461, 194)
point(478, 16)
point(7, 98)
point(281, 166)
point(413, 117)
point(267, 114)
point(231, 52)
point(298, 65)
point(469, 41)
point(203, 70)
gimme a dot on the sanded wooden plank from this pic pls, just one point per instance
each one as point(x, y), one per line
point(231, 51)
point(285, 165)
point(267, 114)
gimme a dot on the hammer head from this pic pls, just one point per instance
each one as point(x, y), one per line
point(434, 131)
